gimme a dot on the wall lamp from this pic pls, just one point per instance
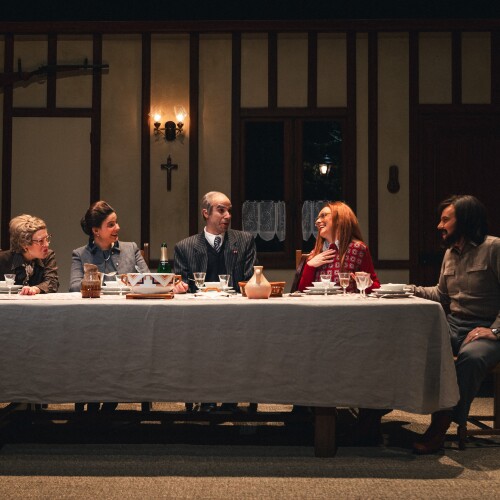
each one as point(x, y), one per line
point(325, 166)
point(171, 130)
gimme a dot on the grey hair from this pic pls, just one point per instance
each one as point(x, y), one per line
point(206, 201)
point(21, 230)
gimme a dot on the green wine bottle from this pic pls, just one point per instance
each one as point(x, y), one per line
point(164, 266)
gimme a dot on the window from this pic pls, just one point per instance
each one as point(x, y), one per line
point(281, 187)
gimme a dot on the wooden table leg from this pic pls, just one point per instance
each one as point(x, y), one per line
point(325, 420)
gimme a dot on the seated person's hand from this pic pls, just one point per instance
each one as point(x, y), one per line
point(181, 287)
point(29, 290)
point(322, 258)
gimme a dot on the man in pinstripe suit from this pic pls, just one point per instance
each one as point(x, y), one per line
point(217, 249)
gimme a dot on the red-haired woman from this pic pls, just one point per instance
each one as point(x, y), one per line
point(339, 248)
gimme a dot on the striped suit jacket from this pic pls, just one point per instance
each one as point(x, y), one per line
point(240, 255)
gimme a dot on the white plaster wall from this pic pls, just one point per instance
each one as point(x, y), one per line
point(393, 145)
point(254, 70)
point(435, 68)
point(74, 91)
point(32, 50)
point(332, 70)
point(121, 124)
point(169, 87)
point(292, 70)
point(476, 68)
point(215, 115)
point(51, 179)
point(362, 133)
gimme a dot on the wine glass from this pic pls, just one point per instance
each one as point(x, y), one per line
point(199, 280)
point(119, 283)
point(325, 279)
point(344, 279)
point(224, 281)
point(9, 281)
point(362, 282)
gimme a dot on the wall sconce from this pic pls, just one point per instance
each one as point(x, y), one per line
point(325, 166)
point(171, 130)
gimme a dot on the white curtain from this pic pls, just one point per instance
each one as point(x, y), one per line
point(265, 219)
point(310, 211)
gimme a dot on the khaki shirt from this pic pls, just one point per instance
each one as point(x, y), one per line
point(470, 281)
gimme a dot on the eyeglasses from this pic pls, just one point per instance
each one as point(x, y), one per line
point(41, 241)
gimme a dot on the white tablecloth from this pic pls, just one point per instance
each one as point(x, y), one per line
point(318, 351)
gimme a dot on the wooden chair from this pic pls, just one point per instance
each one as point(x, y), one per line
point(145, 253)
point(478, 421)
point(300, 260)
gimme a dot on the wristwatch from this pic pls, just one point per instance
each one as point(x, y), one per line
point(496, 332)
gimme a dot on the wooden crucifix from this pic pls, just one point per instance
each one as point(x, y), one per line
point(169, 166)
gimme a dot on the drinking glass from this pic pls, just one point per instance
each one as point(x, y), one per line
point(344, 279)
point(325, 279)
point(363, 281)
point(9, 281)
point(224, 281)
point(119, 283)
point(199, 280)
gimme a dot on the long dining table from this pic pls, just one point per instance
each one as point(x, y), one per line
point(318, 351)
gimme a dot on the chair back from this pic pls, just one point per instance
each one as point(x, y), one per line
point(300, 260)
point(145, 253)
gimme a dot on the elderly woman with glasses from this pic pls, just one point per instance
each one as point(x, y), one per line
point(29, 257)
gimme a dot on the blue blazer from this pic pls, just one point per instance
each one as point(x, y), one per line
point(240, 255)
point(125, 256)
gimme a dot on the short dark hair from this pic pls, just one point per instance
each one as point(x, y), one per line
point(95, 216)
point(471, 215)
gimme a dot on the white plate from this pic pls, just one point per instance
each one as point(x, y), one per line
point(114, 288)
point(14, 288)
point(318, 291)
point(114, 291)
point(383, 290)
point(318, 284)
point(398, 295)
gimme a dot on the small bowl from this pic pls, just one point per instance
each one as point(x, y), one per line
point(150, 282)
point(211, 286)
point(320, 284)
point(393, 287)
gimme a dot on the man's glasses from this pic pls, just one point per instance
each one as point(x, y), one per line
point(41, 241)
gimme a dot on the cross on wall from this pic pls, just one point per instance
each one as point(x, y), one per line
point(169, 166)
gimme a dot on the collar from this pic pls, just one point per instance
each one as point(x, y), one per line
point(18, 261)
point(468, 245)
point(211, 237)
point(94, 248)
point(334, 245)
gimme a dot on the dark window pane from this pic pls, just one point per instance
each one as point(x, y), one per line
point(264, 166)
point(322, 138)
point(264, 161)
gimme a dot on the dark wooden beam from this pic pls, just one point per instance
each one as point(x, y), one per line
point(456, 67)
point(146, 140)
point(373, 144)
point(7, 143)
point(194, 105)
point(312, 69)
point(272, 65)
point(95, 122)
point(236, 184)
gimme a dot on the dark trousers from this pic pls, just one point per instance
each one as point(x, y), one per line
point(473, 362)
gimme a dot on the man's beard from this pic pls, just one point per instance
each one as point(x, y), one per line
point(450, 239)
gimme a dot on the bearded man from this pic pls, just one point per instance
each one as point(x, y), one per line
point(469, 283)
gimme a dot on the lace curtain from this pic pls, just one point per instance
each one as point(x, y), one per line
point(268, 218)
point(265, 219)
point(310, 211)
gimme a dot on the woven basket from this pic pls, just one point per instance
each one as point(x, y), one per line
point(277, 288)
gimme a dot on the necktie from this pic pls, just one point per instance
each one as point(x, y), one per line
point(217, 242)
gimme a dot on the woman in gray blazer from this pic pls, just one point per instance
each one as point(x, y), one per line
point(100, 223)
